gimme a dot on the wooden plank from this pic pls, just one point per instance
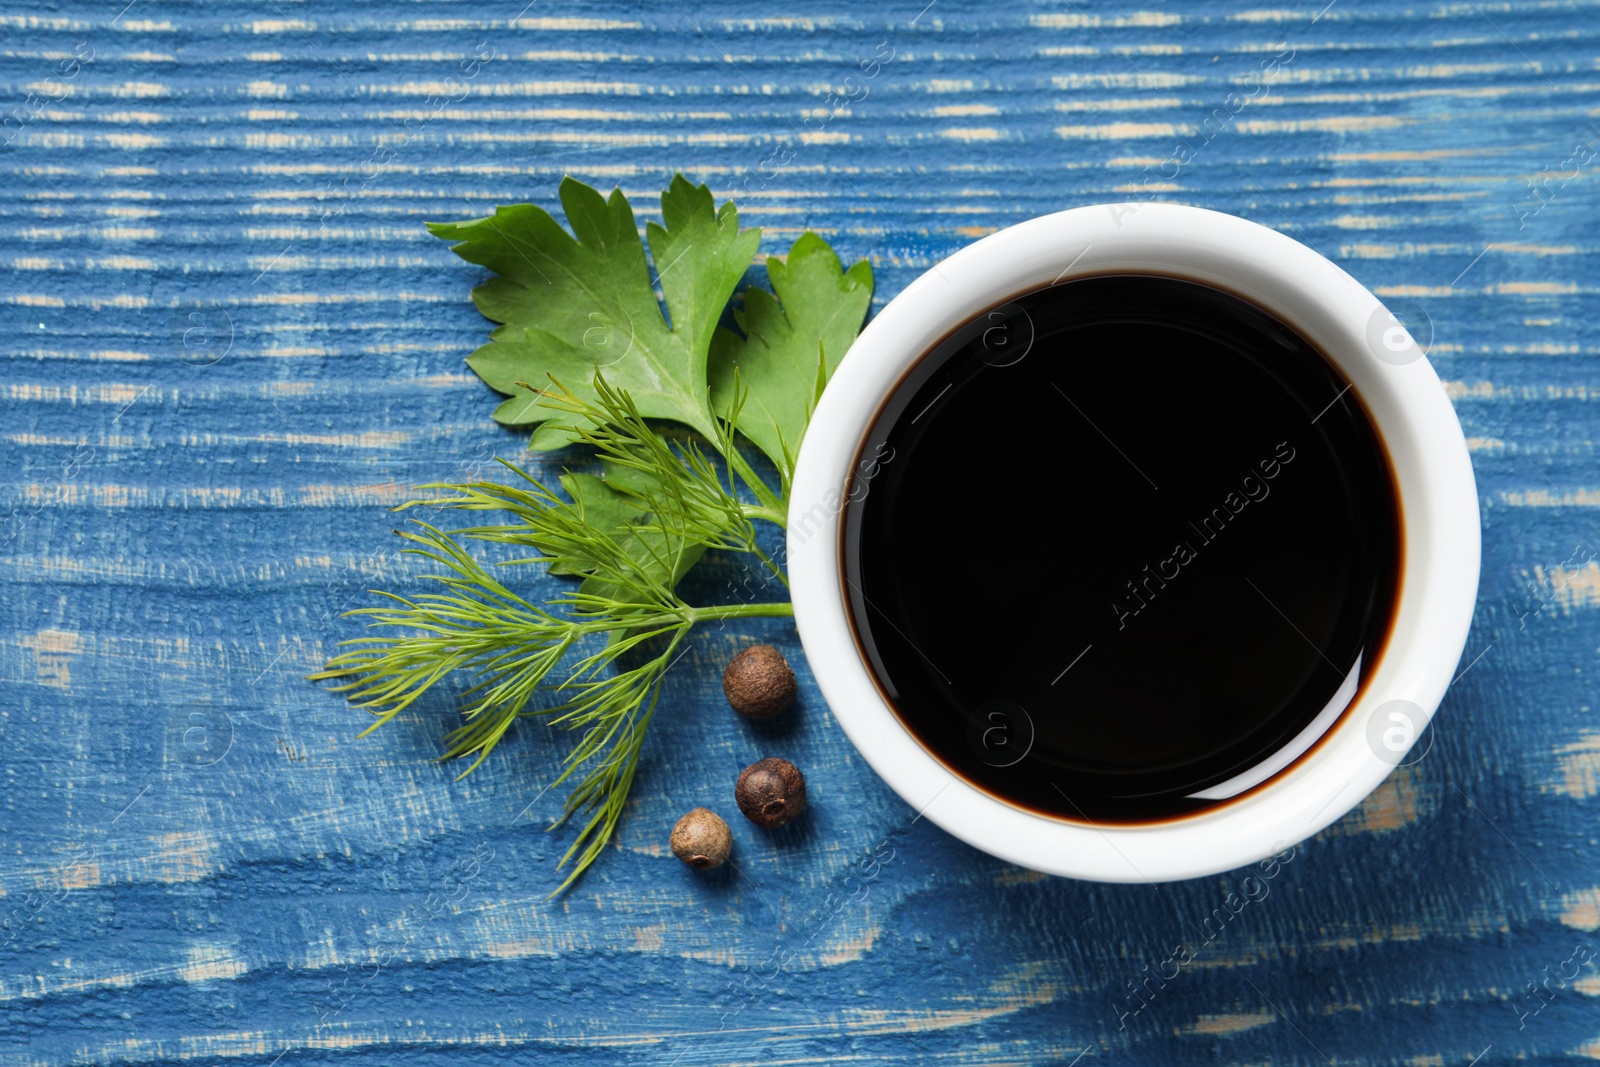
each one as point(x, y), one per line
point(228, 345)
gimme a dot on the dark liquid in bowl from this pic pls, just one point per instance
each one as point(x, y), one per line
point(1117, 544)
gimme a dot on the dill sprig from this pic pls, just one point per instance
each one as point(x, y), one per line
point(600, 650)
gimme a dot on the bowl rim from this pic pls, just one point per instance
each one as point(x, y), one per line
point(1413, 414)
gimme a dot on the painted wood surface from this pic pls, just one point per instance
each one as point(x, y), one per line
point(228, 345)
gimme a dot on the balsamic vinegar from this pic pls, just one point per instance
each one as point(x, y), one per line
point(1119, 549)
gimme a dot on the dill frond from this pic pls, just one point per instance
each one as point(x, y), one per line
point(591, 660)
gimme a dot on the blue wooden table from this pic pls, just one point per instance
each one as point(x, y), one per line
point(228, 346)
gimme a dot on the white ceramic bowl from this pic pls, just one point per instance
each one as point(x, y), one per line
point(1438, 504)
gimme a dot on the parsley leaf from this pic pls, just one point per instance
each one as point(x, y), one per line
point(626, 515)
point(601, 507)
point(570, 304)
point(792, 342)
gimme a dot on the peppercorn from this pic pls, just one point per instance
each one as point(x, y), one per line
point(758, 682)
point(771, 792)
point(701, 839)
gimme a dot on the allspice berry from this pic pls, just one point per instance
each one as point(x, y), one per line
point(701, 839)
point(771, 792)
point(758, 682)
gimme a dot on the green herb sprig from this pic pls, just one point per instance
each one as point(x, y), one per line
point(580, 314)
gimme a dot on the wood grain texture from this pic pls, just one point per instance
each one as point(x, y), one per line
point(228, 345)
